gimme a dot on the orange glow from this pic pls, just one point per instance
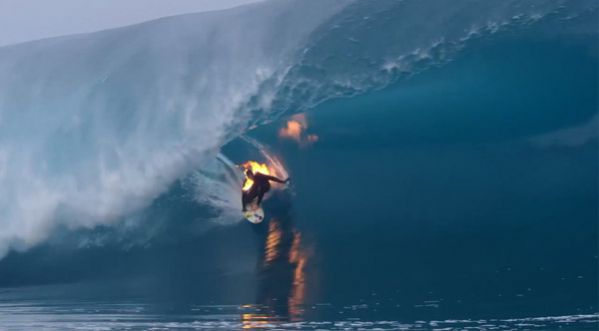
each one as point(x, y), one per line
point(292, 131)
point(279, 250)
point(312, 138)
point(255, 167)
point(255, 321)
point(295, 128)
point(272, 242)
point(299, 258)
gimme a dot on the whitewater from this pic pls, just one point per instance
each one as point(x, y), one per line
point(94, 127)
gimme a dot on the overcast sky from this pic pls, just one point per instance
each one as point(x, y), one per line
point(25, 20)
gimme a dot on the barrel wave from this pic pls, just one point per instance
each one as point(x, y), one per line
point(95, 127)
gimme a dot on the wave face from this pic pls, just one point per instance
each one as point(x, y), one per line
point(96, 126)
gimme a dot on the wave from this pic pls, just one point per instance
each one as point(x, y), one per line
point(96, 126)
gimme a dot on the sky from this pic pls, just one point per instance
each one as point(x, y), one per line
point(26, 20)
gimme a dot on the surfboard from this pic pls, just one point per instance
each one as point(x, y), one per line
point(254, 214)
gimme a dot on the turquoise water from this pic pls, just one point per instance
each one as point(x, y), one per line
point(453, 183)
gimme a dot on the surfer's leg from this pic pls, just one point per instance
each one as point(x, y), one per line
point(262, 192)
point(243, 203)
point(260, 196)
point(246, 198)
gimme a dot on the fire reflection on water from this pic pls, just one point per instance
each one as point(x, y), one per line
point(282, 287)
point(273, 241)
point(255, 321)
point(298, 258)
point(284, 259)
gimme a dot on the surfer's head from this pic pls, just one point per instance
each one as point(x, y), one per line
point(249, 173)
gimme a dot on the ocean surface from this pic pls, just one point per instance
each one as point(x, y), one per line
point(443, 159)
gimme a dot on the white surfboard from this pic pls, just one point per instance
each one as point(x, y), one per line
point(254, 215)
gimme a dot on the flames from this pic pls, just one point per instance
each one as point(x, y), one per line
point(272, 168)
point(295, 129)
point(255, 167)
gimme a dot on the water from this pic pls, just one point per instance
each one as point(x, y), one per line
point(445, 179)
point(139, 316)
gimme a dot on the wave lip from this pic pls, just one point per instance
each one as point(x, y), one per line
point(369, 46)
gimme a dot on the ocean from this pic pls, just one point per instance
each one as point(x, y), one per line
point(443, 164)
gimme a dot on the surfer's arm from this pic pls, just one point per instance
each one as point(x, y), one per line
point(275, 179)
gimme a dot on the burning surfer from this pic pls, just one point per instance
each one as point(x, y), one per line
point(259, 185)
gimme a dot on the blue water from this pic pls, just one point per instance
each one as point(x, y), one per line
point(453, 184)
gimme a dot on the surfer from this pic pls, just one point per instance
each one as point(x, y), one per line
point(260, 186)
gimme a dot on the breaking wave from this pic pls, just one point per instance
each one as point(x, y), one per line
point(96, 126)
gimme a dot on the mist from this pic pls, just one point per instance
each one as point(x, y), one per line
point(27, 20)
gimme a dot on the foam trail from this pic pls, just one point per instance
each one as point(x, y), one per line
point(218, 186)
